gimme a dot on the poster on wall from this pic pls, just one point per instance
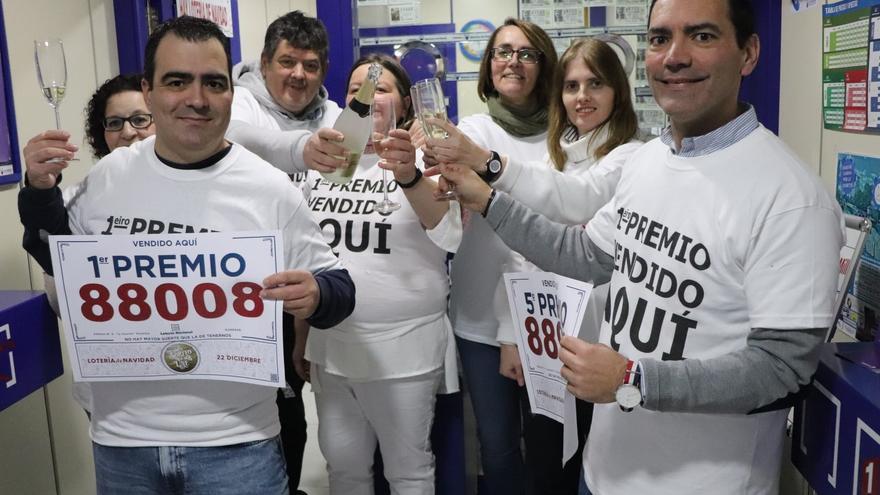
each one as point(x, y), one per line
point(851, 66)
point(555, 14)
point(217, 11)
point(858, 192)
point(404, 12)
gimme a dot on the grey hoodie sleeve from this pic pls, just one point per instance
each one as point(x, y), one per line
point(563, 249)
point(283, 149)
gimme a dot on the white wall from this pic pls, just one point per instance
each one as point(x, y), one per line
point(255, 15)
point(86, 27)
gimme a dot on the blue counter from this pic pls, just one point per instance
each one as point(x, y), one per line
point(836, 436)
point(30, 350)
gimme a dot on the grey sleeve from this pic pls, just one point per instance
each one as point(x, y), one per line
point(563, 249)
point(283, 149)
point(773, 363)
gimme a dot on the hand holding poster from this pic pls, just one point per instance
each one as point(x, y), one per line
point(544, 307)
point(158, 307)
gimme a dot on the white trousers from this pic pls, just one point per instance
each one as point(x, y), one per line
point(397, 414)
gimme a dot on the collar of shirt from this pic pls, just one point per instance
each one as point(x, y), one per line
point(720, 138)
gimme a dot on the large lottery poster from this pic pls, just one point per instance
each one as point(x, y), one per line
point(170, 307)
point(851, 66)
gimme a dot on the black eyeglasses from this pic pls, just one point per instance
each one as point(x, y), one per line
point(524, 55)
point(138, 121)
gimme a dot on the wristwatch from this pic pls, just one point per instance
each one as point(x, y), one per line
point(629, 393)
point(493, 167)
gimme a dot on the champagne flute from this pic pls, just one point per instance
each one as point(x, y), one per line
point(51, 72)
point(51, 67)
point(430, 104)
point(384, 121)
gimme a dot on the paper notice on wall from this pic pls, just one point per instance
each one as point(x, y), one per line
point(371, 3)
point(540, 16)
point(639, 76)
point(628, 15)
point(404, 12)
point(568, 17)
point(217, 11)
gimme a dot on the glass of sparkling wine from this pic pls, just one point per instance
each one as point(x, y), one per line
point(51, 72)
point(430, 105)
point(384, 121)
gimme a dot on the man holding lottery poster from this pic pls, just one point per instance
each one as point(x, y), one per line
point(193, 436)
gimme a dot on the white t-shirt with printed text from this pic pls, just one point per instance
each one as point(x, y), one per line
point(705, 249)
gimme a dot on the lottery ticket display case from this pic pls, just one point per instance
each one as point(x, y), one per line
point(836, 435)
point(30, 349)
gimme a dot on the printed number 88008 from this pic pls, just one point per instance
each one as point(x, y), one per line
point(133, 304)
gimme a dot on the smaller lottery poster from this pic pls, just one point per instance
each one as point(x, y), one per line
point(170, 306)
point(544, 307)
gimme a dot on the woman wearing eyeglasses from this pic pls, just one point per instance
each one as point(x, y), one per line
point(116, 116)
point(592, 133)
point(515, 82)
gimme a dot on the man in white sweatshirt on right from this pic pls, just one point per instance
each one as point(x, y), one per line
point(722, 253)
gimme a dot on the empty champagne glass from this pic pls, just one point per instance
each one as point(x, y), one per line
point(384, 121)
point(430, 104)
point(51, 72)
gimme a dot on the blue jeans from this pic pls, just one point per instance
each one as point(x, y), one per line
point(251, 467)
point(497, 411)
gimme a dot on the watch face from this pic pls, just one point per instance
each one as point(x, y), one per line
point(494, 166)
point(628, 396)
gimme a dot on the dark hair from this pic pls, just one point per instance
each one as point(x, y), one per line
point(186, 28)
point(97, 108)
point(604, 63)
point(742, 15)
point(401, 80)
point(300, 31)
point(539, 39)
